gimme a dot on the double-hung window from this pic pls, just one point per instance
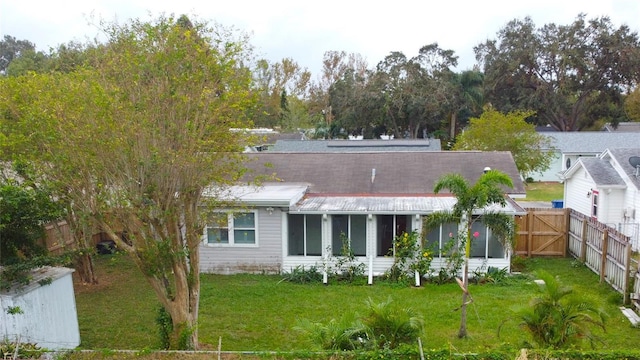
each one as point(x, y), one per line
point(238, 229)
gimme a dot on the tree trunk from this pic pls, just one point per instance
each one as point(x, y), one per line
point(452, 126)
point(84, 269)
point(462, 333)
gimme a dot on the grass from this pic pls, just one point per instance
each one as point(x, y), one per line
point(544, 191)
point(258, 312)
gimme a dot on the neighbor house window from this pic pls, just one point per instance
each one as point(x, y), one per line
point(353, 228)
point(305, 235)
point(388, 227)
point(594, 204)
point(238, 229)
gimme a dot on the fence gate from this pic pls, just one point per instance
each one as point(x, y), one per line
point(542, 232)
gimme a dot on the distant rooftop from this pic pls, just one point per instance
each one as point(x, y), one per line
point(594, 142)
point(623, 127)
point(412, 145)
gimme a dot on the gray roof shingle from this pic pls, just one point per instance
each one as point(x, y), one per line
point(602, 172)
point(593, 142)
point(400, 173)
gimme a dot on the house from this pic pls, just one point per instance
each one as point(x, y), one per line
point(366, 145)
point(371, 197)
point(607, 188)
point(570, 146)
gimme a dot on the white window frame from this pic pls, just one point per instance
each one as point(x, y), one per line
point(231, 231)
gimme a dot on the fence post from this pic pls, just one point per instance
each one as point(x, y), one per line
point(603, 263)
point(529, 232)
point(583, 240)
point(627, 271)
point(567, 230)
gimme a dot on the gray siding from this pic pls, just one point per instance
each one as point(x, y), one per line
point(265, 257)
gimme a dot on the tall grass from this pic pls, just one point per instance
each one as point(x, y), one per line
point(259, 312)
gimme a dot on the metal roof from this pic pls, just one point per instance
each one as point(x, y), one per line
point(387, 205)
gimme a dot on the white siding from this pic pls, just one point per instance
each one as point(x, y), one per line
point(49, 318)
point(575, 192)
point(265, 257)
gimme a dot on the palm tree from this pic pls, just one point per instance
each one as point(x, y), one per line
point(558, 320)
point(472, 200)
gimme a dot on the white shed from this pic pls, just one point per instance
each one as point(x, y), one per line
point(44, 311)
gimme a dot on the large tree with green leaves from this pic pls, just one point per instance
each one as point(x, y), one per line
point(495, 131)
point(473, 204)
point(570, 75)
point(149, 133)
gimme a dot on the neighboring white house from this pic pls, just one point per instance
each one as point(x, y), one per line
point(607, 188)
point(571, 146)
point(42, 312)
point(370, 196)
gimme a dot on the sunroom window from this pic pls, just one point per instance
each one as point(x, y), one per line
point(305, 235)
point(388, 227)
point(354, 229)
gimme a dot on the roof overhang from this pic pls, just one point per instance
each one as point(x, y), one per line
point(268, 194)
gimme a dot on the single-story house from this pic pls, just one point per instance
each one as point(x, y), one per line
point(607, 188)
point(571, 146)
point(371, 197)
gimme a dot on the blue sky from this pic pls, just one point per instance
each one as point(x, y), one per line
point(305, 30)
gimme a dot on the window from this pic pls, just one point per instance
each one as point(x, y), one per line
point(485, 245)
point(354, 227)
point(238, 229)
point(568, 163)
point(388, 227)
point(438, 238)
point(305, 235)
point(594, 204)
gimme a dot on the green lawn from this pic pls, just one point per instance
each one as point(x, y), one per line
point(544, 191)
point(257, 312)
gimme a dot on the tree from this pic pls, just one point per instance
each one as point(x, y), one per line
point(494, 131)
point(11, 48)
point(471, 206)
point(150, 134)
point(557, 318)
point(632, 105)
point(562, 72)
point(25, 210)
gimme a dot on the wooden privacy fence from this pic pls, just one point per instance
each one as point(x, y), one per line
point(542, 232)
point(603, 249)
point(58, 238)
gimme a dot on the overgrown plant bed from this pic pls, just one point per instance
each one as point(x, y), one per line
point(260, 312)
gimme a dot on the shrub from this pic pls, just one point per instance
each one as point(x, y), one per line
point(300, 275)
